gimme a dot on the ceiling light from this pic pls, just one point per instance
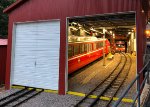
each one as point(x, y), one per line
point(74, 23)
point(111, 32)
point(80, 27)
point(113, 35)
point(104, 30)
point(147, 32)
point(92, 29)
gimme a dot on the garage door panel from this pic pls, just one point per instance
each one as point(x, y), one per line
point(23, 43)
point(49, 53)
point(36, 61)
point(42, 61)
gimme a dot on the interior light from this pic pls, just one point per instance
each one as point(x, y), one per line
point(104, 30)
point(111, 32)
point(92, 29)
point(147, 32)
point(74, 23)
point(113, 35)
point(129, 32)
point(80, 27)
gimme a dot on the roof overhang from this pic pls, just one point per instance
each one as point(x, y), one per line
point(3, 42)
point(145, 5)
point(14, 6)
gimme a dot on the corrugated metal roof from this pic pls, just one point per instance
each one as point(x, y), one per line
point(14, 5)
point(3, 41)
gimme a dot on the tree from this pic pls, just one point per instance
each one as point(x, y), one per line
point(4, 17)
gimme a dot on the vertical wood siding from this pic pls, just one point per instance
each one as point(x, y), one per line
point(3, 53)
point(34, 10)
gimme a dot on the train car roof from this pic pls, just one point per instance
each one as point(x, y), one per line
point(76, 39)
point(87, 41)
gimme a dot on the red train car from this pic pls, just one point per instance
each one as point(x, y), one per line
point(120, 46)
point(83, 52)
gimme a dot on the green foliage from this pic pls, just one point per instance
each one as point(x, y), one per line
point(4, 17)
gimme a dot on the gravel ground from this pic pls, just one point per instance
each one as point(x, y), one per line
point(51, 100)
point(7, 92)
point(46, 99)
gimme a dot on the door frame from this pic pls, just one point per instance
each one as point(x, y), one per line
point(104, 14)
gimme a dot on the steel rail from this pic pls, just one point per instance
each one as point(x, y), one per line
point(139, 87)
point(28, 98)
point(107, 105)
point(17, 97)
point(16, 93)
point(142, 85)
point(77, 105)
point(95, 101)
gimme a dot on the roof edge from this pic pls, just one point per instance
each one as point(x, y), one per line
point(13, 6)
point(3, 42)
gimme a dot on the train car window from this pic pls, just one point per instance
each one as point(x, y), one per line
point(76, 49)
point(97, 45)
point(81, 48)
point(86, 47)
point(90, 47)
point(94, 46)
point(101, 44)
point(70, 53)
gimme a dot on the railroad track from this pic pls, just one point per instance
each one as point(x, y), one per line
point(19, 97)
point(109, 86)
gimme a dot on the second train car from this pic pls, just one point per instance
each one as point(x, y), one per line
point(120, 46)
point(84, 50)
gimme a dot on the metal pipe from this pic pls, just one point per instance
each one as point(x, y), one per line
point(144, 67)
point(142, 84)
point(138, 86)
point(104, 50)
point(138, 94)
point(138, 90)
point(135, 99)
point(104, 32)
point(148, 76)
point(125, 92)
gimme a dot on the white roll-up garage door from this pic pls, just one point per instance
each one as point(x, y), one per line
point(36, 54)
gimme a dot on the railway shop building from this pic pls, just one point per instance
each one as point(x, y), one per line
point(37, 53)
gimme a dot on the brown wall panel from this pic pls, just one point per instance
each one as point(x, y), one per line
point(3, 54)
